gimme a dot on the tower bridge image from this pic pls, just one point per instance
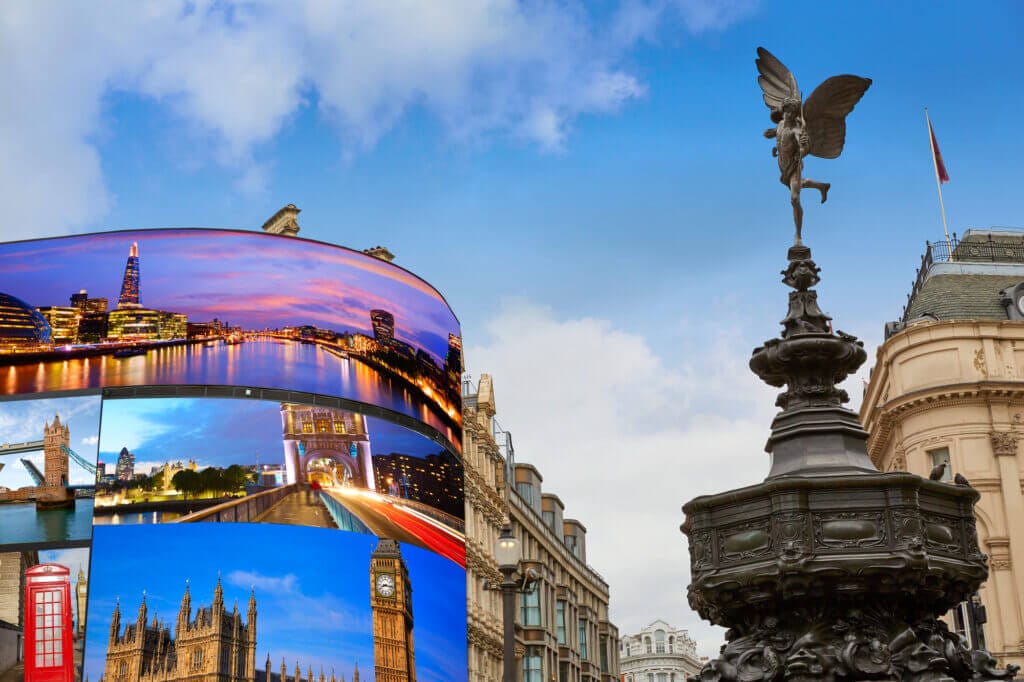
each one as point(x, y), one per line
point(51, 489)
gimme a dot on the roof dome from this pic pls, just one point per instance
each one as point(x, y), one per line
point(21, 323)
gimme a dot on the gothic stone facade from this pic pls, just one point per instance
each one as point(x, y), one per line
point(216, 646)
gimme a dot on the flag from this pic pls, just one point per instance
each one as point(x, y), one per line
point(940, 168)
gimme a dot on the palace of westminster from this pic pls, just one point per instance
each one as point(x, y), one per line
point(218, 645)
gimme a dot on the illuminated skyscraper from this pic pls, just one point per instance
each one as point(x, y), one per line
point(383, 327)
point(130, 285)
point(125, 465)
point(453, 360)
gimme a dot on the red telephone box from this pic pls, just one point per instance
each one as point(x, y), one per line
point(49, 656)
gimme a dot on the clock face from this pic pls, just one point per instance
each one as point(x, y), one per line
point(386, 585)
point(1020, 304)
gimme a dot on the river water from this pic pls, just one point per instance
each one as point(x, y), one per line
point(264, 363)
point(21, 523)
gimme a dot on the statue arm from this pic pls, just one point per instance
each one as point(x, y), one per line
point(770, 133)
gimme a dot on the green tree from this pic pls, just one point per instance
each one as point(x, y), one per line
point(186, 482)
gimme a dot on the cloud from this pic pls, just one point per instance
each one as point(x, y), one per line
point(235, 74)
point(287, 584)
point(625, 437)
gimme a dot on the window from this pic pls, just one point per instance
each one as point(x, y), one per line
point(530, 612)
point(604, 653)
point(49, 633)
point(532, 665)
point(563, 672)
point(549, 519)
point(307, 427)
point(659, 643)
point(648, 648)
point(938, 457)
point(525, 491)
point(197, 658)
point(122, 669)
point(560, 621)
point(339, 427)
point(662, 677)
point(570, 542)
point(583, 640)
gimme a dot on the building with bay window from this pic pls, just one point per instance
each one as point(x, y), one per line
point(948, 387)
point(562, 629)
point(658, 653)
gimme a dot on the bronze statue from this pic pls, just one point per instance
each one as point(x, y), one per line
point(817, 127)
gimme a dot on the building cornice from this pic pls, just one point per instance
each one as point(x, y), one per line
point(884, 418)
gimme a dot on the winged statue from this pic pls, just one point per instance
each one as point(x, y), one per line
point(816, 127)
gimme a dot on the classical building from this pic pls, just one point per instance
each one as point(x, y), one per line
point(394, 655)
point(658, 653)
point(215, 646)
point(486, 513)
point(12, 605)
point(948, 387)
point(562, 627)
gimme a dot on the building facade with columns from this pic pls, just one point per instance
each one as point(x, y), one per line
point(658, 653)
point(486, 514)
point(562, 630)
point(948, 386)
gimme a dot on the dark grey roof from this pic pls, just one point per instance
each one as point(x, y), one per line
point(952, 297)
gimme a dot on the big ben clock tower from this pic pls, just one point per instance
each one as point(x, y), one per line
point(391, 602)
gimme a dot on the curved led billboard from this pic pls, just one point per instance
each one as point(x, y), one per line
point(202, 429)
point(230, 308)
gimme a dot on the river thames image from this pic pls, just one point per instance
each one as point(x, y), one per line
point(23, 524)
point(262, 362)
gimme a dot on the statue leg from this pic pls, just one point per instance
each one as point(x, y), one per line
point(798, 210)
point(822, 187)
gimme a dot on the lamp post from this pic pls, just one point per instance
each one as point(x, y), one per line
point(508, 553)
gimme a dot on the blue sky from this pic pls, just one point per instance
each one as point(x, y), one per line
point(586, 183)
point(219, 432)
point(290, 582)
point(22, 421)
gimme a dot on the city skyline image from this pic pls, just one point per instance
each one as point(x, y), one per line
point(204, 459)
point(22, 421)
point(314, 613)
point(188, 306)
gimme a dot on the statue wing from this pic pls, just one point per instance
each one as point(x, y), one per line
point(776, 81)
point(825, 113)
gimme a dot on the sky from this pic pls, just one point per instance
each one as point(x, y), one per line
point(585, 182)
point(219, 432)
point(23, 421)
point(290, 582)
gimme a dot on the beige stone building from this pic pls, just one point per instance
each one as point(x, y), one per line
point(486, 514)
point(562, 629)
point(948, 386)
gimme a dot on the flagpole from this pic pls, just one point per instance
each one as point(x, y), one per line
point(938, 183)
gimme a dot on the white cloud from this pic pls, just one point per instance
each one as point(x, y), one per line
point(237, 72)
point(625, 438)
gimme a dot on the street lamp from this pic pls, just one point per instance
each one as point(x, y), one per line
point(508, 553)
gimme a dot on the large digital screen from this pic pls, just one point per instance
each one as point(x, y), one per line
point(202, 430)
point(218, 307)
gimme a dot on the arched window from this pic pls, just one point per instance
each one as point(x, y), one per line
point(659, 641)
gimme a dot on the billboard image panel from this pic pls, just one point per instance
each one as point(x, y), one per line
point(219, 307)
point(267, 603)
point(182, 460)
point(47, 470)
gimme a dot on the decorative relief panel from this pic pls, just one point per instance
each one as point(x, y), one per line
point(942, 533)
point(700, 551)
point(838, 530)
point(744, 541)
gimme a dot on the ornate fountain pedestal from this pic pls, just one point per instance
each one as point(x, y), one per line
point(828, 569)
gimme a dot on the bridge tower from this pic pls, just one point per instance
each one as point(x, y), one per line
point(311, 432)
point(55, 463)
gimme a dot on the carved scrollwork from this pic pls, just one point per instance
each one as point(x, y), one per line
point(1004, 442)
point(745, 540)
point(942, 533)
point(700, 551)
